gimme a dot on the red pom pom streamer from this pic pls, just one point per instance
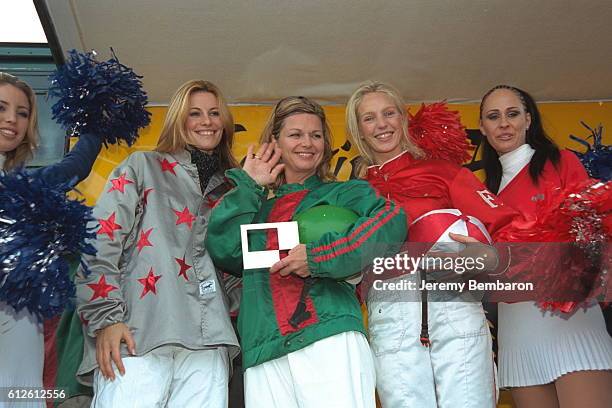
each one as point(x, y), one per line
point(439, 132)
point(580, 214)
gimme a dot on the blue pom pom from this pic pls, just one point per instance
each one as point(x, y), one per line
point(102, 98)
point(597, 160)
point(40, 230)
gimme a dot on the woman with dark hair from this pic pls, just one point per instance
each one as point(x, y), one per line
point(548, 359)
point(535, 136)
point(157, 327)
point(300, 323)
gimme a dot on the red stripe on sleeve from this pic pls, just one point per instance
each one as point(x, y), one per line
point(354, 233)
point(357, 243)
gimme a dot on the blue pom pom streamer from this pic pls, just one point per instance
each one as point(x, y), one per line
point(597, 160)
point(40, 230)
point(101, 98)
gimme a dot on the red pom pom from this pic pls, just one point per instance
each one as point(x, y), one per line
point(580, 214)
point(439, 132)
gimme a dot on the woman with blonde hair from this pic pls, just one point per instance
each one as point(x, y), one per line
point(16, 150)
point(19, 136)
point(155, 308)
point(435, 354)
point(300, 323)
point(21, 334)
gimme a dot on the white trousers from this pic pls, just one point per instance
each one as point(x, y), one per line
point(336, 372)
point(457, 370)
point(21, 354)
point(168, 376)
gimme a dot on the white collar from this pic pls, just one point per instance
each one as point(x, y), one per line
point(389, 160)
point(513, 162)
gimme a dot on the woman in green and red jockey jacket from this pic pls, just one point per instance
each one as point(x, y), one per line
point(303, 337)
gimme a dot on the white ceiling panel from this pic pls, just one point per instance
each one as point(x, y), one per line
point(259, 51)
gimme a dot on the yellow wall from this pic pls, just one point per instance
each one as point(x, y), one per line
point(560, 119)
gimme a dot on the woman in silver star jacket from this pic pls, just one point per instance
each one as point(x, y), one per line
point(153, 306)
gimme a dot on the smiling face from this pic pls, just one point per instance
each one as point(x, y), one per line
point(204, 125)
point(14, 117)
point(301, 141)
point(504, 120)
point(380, 125)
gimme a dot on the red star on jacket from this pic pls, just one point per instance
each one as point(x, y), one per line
point(184, 267)
point(148, 283)
point(167, 166)
point(119, 183)
point(184, 217)
point(108, 226)
point(100, 289)
point(143, 241)
point(145, 196)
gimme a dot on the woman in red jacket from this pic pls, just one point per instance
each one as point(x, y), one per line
point(457, 369)
point(549, 359)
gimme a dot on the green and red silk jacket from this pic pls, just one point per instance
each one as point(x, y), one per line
point(269, 300)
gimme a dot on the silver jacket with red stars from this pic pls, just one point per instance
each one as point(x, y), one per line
point(152, 271)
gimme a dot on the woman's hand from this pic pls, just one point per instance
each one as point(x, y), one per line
point(108, 347)
point(264, 166)
point(475, 249)
point(482, 258)
point(296, 263)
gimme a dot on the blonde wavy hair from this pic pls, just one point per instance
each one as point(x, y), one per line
point(25, 150)
point(354, 131)
point(293, 105)
point(174, 136)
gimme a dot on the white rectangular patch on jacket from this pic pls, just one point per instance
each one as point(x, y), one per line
point(207, 287)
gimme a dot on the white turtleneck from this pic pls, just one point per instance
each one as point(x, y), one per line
point(513, 162)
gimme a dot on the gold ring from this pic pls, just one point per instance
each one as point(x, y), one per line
point(256, 157)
